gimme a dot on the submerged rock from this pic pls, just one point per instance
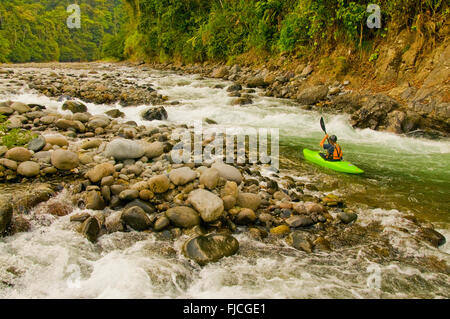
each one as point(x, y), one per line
point(158, 113)
point(210, 248)
point(6, 212)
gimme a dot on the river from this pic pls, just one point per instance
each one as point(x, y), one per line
point(403, 175)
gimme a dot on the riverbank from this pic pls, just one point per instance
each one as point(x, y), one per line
point(116, 175)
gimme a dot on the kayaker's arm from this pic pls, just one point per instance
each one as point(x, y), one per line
point(323, 141)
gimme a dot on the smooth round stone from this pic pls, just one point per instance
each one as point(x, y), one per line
point(37, 144)
point(28, 169)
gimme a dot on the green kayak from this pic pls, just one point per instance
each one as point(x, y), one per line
point(343, 167)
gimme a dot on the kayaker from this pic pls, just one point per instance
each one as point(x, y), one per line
point(334, 151)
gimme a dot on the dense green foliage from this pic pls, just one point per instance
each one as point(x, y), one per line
point(197, 30)
point(36, 30)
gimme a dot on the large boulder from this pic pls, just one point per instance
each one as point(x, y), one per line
point(228, 172)
point(209, 205)
point(210, 248)
point(28, 169)
point(136, 218)
point(122, 149)
point(183, 216)
point(74, 107)
point(182, 175)
point(159, 184)
point(99, 171)
point(374, 111)
point(64, 160)
point(19, 154)
point(313, 95)
point(156, 113)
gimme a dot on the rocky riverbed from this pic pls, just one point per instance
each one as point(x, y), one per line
point(104, 174)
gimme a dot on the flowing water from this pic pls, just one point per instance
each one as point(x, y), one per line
point(403, 175)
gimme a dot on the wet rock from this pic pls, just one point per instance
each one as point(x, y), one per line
point(28, 169)
point(129, 195)
point(299, 221)
point(74, 107)
point(433, 237)
point(313, 208)
point(159, 184)
point(122, 149)
point(228, 172)
point(153, 150)
point(56, 139)
point(3, 150)
point(347, 217)
point(256, 82)
point(91, 144)
point(301, 241)
point(182, 175)
point(94, 201)
point(312, 95)
point(37, 144)
point(249, 200)
point(100, 171)
point(210, 178)
point(6, 212)
point(322, 244)
point(161, 223)
point(220, 72)
point(246, 100)
point(148, 209)
point(210, 248)
point(8, 163)
point(80, 217)
point(19, 154)
point(234, 88)
point(91, 229)
point(114, 223)
point(59, 209)
point(64, 160)
point(209, 205)
point(246, 216)
point(373, 112)
point(157, 113)
point(136, 218)
point(20, 107)
point(115, 113)
point(280, 230)
point(19, 224)
point(5, 110)
point(183, 216)
point(37, 195)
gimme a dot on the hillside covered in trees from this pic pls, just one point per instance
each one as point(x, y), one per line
point(37, 31)
point(199, 30)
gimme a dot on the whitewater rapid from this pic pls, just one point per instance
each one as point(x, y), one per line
point(54, 261)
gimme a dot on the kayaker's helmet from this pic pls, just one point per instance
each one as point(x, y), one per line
point(333, 138)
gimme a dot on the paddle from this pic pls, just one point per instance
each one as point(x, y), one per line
point(322, 124)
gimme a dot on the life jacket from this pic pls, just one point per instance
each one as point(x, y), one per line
point(337, 154)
